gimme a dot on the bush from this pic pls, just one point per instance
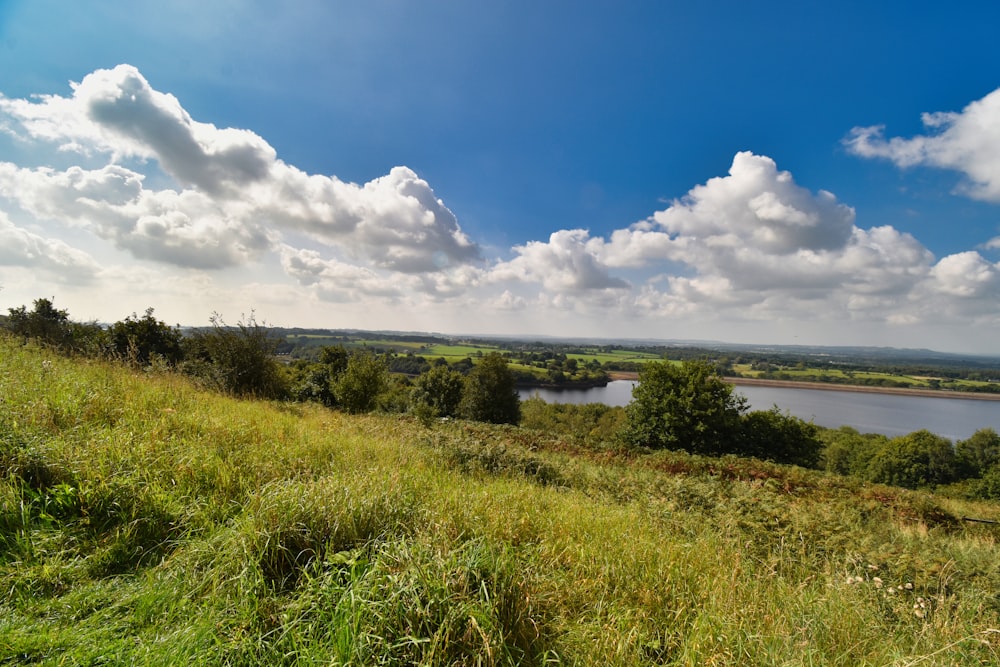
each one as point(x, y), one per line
point(141, 340)
point(847, 452)
point(237, 360)
point(779, 437)
point(489, 395)
point(592, 424)
point(359, 386)
point(979, 453)
point(917, 460)
point(49, 325)
point(684, 406)
point(316, 381)
point(437, 393)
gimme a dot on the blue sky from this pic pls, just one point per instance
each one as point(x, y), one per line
point(748, 172)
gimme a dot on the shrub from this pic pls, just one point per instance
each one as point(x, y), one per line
point(489, 394)
point(916, 460)
point(141, 340)
point(438, 392)
point(774, 436)
point(237, 360)
point(979, 453)
point(51, 326)
point(358, 387)
point(684, 406)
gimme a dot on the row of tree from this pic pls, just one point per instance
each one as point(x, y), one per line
point(685, 406)
point(241, 360)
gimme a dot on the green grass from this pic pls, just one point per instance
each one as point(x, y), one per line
point(144, 521)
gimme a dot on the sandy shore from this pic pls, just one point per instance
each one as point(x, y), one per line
point(827, 386)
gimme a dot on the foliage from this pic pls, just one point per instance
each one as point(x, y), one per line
point(489, 395)
point(979, 453)
point(592, 424)
point(358, 387)
point(438, 392)
point(684, 406)
point(51, 326)
point(919, 459)
point(142, 340)
point(237, 360)
point(848, 452)
point(776, 436)
point(315, 381)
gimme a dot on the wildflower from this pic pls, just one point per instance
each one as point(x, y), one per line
point(908, 586)
point(877, 581)
point(872, 566)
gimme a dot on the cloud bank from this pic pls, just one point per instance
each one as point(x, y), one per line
point(750, 246)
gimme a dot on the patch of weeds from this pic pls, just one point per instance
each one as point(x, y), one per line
point(133, 525)
point(407, 603)
point(495, 456)
point(294, 524)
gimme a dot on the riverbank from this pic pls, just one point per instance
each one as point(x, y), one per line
point(826, 386)
point(862, 389)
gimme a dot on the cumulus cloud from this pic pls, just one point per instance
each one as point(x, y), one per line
point(967, 141)
point(966, 274)
point(235, 199)
point(20, 247)
point(565, 262)
point(750, 245)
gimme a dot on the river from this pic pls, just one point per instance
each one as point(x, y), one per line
point(889, 414)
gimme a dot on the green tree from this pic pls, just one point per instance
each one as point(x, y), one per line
point(979, 453)
point(848, 452)
point(237, 360)
point(439, 391)
point(141, 340)
point(358, 387)
point(316, 381)
point(916, 460)
point(684, 406)
point(51, 326)
point(488, 394)
point(776, 436)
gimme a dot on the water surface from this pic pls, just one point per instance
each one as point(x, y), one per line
point(890, 414)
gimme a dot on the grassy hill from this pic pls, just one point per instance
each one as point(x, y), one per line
point(146, 521)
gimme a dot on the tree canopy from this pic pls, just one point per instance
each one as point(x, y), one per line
point(489, 394)
point(684, 406)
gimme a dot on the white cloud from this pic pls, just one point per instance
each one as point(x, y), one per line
point(235, 197)
point(966, 141)
point(758, 205)
point(20, 247)
point(966, 274)
point(565, 262)
point(185, 228)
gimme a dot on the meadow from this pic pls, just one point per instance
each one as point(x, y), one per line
point(145, 520)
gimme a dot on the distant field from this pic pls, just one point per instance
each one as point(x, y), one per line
point(861, 377)
point(461, 351)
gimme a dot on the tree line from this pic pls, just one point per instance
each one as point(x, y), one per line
point(681, 406)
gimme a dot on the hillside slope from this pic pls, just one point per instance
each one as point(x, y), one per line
point(145, 521)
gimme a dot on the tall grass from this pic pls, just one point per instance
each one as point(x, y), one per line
point(145, 521)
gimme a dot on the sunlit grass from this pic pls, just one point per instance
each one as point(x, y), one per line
point(145, 521)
